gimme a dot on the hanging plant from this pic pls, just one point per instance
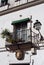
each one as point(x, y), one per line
point(9, 36)
point(6, 33)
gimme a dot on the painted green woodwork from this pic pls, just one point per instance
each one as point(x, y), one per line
point(20, 21)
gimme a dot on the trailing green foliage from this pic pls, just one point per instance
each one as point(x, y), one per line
point(6, 33)
point(9, 36)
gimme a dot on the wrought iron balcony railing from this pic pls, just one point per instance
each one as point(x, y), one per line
point(27, 36)
point(16, 3)
point(20, 3)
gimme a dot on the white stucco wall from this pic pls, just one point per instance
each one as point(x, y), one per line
point(37, 12)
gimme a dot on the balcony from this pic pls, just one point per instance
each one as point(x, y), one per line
point(19, 5)
point(25, 36)
point(26, 39)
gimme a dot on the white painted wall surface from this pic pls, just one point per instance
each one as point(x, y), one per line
point(37, 12)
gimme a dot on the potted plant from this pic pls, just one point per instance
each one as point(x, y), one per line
point(9, 36)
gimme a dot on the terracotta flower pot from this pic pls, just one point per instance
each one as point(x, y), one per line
point(20, 55)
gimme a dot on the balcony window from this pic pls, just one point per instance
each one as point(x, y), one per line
point(22, 34)
point(21, 29)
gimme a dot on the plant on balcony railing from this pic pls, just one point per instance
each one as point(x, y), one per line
point(9, 36)
point(6, 33)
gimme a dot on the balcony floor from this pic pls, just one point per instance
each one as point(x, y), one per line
point(25, 46)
